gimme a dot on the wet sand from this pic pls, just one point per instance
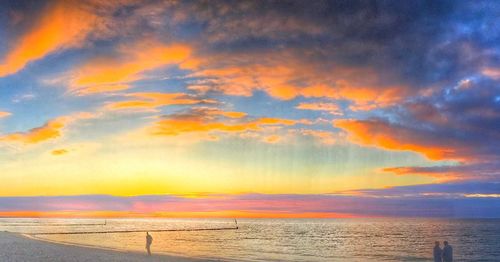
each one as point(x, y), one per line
point(15, 247)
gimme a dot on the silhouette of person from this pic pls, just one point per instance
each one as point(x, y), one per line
point(447, 252)
point(438, 253)
point(149, 241)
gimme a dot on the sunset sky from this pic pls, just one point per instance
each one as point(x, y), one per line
point(250, 108)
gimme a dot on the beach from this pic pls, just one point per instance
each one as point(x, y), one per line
point(16, 247)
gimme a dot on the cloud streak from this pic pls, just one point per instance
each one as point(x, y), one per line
point(180, 125)
point(153, 100)
point(63, 24)
point(51, 130)
point(107, 74)
point(384, 135)
point(4, 114)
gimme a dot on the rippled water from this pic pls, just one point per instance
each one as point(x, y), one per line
point(284, 239)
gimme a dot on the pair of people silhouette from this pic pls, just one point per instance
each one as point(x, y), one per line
point(149, 241)
point(443, 255)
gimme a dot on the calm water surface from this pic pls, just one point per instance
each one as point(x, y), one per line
point(283, 239)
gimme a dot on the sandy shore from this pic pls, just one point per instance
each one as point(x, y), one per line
point(15, 247)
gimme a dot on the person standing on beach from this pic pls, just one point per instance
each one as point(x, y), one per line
point(149, 241)
point(447, 252)
point(438, 253)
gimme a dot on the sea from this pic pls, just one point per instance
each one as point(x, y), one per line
point(343, 239)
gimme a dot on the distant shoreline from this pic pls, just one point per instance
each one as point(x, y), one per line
point(17, 247)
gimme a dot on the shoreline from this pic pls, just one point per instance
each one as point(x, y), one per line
point(21, 247)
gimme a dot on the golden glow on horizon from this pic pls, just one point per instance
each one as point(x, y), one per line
point(169, 171)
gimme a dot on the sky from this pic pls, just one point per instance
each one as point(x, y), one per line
point(250, 108)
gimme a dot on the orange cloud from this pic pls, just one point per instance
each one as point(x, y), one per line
point(442, 174)
point(106, 74)
point(177, 126)
point(286, 77)
point(402, 170)
point(381, 134)
point(275, 121)
point(50, 130)
point(491, 72)
point(174, 127)
point(324, 137)
point(272, 139)
point(243, 80)
point(368, 98)
point(153, 100)
point(59, 152)
point(331, 108)
point(413, 171)
point(4, 114)
point(230, 114)
point(61, 25)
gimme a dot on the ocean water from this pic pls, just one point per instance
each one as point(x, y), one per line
point(380, 239)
